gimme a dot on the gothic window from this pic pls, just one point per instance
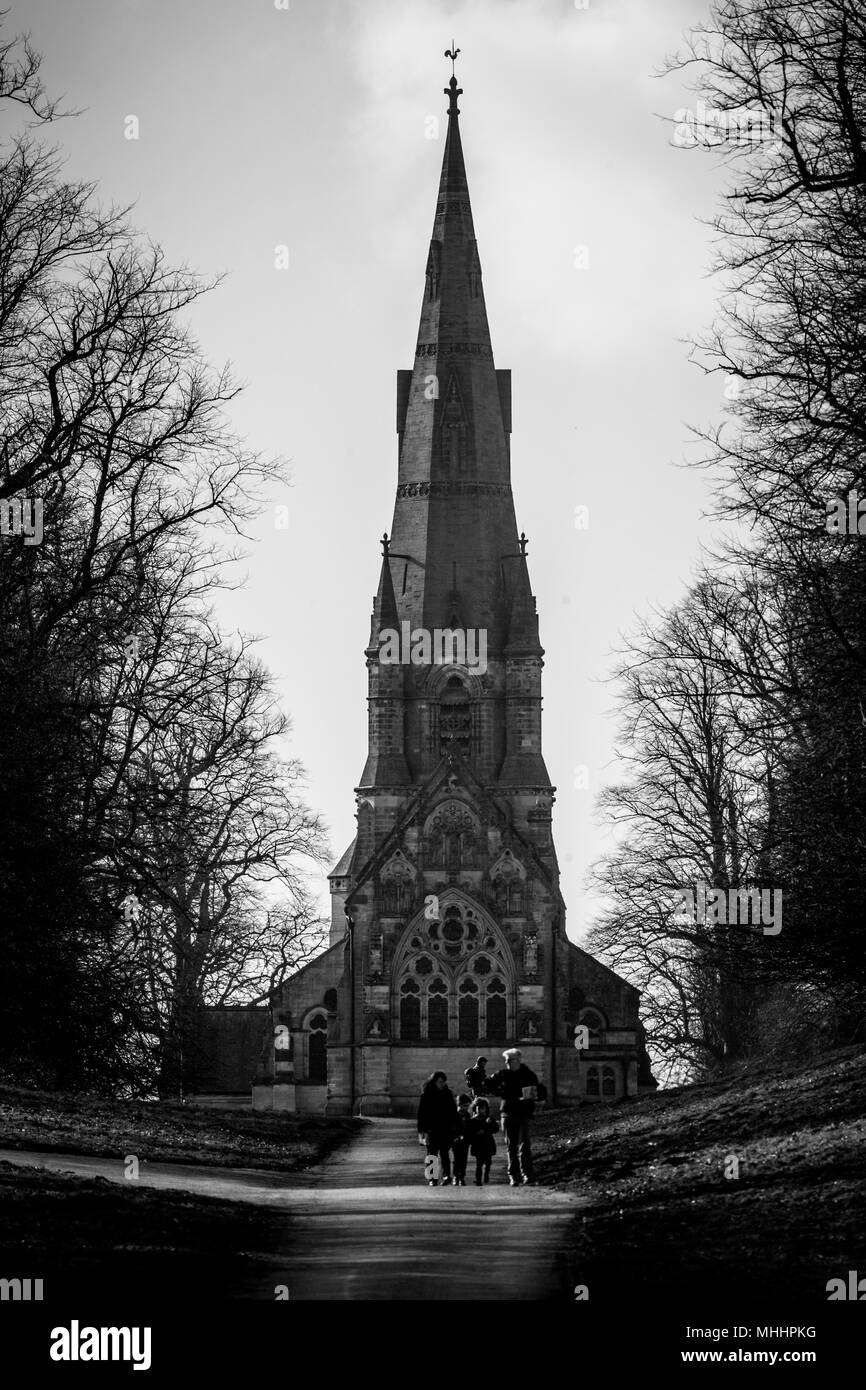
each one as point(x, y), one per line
point(608, 1082)
point(450, 990)
point(317, 1066)
point(508, 877)
point(592, 1088)
point(455, 724)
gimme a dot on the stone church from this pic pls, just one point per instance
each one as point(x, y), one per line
point(448, 928)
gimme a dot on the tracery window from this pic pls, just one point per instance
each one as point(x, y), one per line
point(455, 983)
point(601, 1081)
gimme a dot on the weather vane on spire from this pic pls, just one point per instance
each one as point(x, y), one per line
point(452, 91)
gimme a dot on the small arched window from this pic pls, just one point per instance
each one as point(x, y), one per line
point(608, 1081)
point(592, 1087)
point(317, 1069)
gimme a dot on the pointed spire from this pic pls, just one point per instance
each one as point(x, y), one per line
point(385, 603)
point(523, 639)
point(454, 500)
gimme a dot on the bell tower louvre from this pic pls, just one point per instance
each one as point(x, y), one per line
point(448, 927)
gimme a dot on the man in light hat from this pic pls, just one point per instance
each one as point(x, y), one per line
point(517, 1084)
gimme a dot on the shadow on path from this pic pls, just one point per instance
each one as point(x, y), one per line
point(364, 1224)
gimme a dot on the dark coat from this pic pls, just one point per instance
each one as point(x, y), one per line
point(508, 1084)
point(437, 1113)
point(476, 1080)
point(481, 1141)
point(463, 1121)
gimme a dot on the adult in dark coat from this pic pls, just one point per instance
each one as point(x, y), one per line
point(437, 1121)
point(517, 1084)
point(476, 1078)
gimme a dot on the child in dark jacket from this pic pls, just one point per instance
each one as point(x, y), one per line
point(461, 1140)
point(482, 1144)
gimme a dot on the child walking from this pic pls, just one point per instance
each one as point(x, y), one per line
point(482, 1144)
point(460, 1145)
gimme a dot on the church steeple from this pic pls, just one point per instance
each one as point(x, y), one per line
point(454, 513)
point(454, 560)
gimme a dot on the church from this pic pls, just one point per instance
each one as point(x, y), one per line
point(447, 935)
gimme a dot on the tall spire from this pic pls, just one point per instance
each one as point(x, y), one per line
point(454, 513)
point(453, 560)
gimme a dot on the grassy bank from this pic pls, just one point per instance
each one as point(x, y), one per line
point(159, 1131)
point(750, 1188)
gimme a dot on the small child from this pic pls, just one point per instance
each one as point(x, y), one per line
point(460, 1146)
point(481, 1141)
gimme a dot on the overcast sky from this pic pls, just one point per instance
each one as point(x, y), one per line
point(308, 127)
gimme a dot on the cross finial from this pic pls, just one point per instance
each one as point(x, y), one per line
point(386, 546)
point(523, 542)
point(452, 91)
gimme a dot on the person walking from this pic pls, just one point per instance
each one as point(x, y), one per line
point(437, 1122)
point(518, 1087)
point(476, 1078)
point(461, 1141)
point(482, 1144)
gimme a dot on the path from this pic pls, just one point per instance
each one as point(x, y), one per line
point(364, 1226)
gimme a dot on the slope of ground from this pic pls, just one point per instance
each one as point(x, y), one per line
point(750, 1187)
point(81, 1233)
point(161, 1131)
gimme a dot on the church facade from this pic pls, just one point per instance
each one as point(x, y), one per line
point(448, 927)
